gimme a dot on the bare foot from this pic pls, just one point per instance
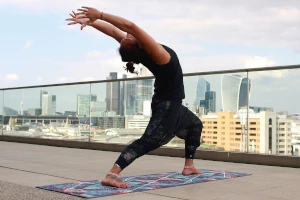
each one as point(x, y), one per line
point(189, 170)
point(114, 181)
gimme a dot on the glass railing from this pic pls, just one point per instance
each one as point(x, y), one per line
point(247, 110)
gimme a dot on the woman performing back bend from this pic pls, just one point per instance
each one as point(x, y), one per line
point(169, 117)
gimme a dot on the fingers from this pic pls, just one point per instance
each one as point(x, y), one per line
point(70, 19)
point(86, 7)
point(82, 16)
point(72, 15)
point(81, 13)
point(82, 26)
point(84, 10)
point(72, 23)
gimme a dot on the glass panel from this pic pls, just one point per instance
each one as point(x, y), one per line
point(125, 110)
point(1, 112)
point(220, 101)
point(274, 112)
point(52, 112)
point(121, 110)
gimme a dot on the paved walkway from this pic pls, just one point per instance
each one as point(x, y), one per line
point(25, 166)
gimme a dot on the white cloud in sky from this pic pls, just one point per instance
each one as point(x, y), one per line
point(257, 61)
point(248, 22)
point(12, 77)
point(28, 44)
point(39, 78)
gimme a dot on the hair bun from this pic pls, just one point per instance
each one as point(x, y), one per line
point(130, 67)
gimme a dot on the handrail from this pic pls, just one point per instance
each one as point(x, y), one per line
point(151, 77)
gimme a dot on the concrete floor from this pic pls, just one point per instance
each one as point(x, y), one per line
point(25, 166)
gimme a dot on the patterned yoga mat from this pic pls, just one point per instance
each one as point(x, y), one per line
point(94, 188)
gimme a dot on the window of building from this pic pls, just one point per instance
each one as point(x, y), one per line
point(270, 121)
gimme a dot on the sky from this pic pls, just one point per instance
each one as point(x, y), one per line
point(38, 47)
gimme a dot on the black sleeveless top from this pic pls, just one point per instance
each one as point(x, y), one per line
point(168, 83)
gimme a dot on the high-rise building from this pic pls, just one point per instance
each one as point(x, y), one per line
point(83, 104)
point(130, 97)
point(144, 93)
point(210, 101)
point(113, 94)
point(234, 92)
point(48, 104)
point(202, 87)
point(134, 93)
point(41, 97)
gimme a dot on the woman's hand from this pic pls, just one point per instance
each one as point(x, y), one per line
point(78, 19)
point(91, 13)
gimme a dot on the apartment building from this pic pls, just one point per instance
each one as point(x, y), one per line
point(268, 133)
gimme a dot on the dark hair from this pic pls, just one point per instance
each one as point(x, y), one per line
point(129, 67)
point(130, 54)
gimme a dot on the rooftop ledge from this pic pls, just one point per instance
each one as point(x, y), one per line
point(234, 157)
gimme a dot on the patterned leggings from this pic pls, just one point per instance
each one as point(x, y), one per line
point(169, 119)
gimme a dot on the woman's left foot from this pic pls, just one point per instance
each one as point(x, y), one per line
point(189, 170)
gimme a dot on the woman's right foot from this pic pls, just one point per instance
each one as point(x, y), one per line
point(113, 180)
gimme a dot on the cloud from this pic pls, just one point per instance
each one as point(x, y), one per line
point(257, 62)
point(39, 78)
point(28, 44)
point(12, 77)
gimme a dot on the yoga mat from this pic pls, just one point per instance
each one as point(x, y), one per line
point(94, 188)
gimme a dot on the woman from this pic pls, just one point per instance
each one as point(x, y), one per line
point(169, 117)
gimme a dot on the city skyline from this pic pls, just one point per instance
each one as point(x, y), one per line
point(66, 95)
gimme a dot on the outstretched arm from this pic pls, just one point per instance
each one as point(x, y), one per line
point(155, 50)
point(108, 29)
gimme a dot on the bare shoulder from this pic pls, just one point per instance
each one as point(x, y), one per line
point(156, 51)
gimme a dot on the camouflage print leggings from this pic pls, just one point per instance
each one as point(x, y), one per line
point(169, 119)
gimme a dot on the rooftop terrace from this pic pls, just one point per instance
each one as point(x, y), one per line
point(63, 144)
point(25, 166)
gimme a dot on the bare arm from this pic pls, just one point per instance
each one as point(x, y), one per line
point(156, 51)
point(108, 29)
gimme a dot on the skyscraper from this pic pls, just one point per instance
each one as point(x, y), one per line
point(210, 101)
point(48, 104)
point(41, 97)
point(234, 92)
point(130, 97)
point(113, 94)
point(202, 87)
point(144, 90)
point(83, 104)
